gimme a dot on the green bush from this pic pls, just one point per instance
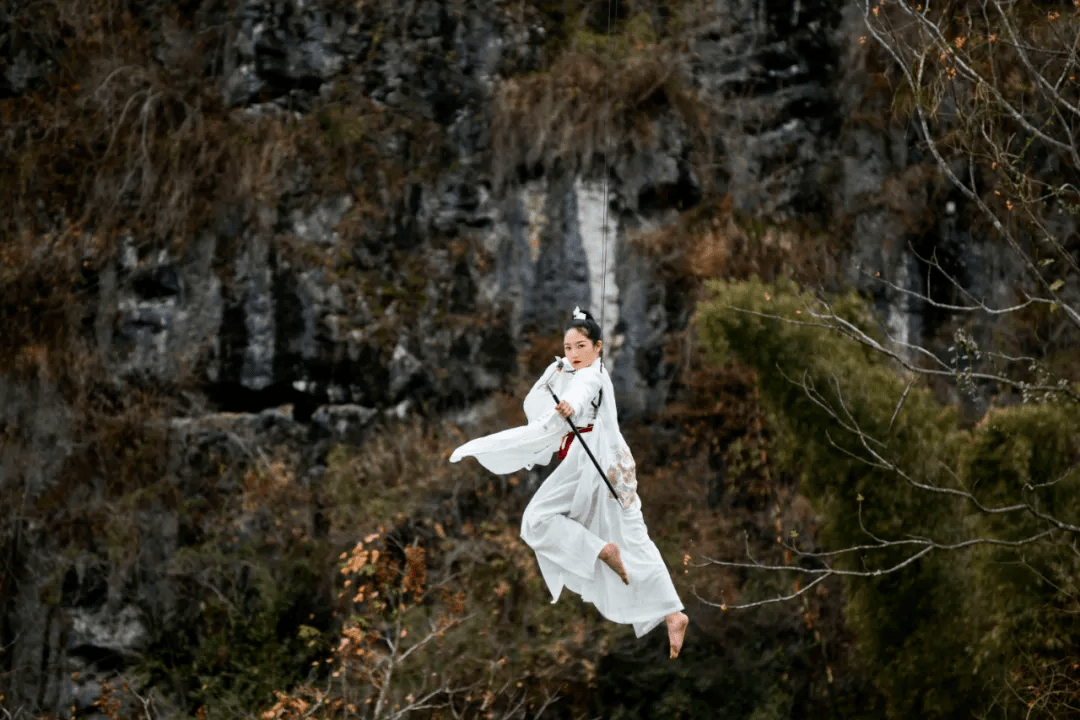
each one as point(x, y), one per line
point(938, 635)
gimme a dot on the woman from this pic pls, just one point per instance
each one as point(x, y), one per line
point(584, 538)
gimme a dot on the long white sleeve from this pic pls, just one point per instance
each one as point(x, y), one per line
point(534, 443)
point(538, 403)
point(525, 446)
point(582, 391)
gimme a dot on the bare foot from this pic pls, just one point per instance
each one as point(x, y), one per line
point(611, 557)
point(676, 631)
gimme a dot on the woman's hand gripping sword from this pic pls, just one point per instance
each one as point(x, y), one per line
point(578, 436)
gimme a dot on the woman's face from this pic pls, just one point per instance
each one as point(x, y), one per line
point(580, 350)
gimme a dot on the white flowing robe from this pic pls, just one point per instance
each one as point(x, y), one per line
point(573, 515)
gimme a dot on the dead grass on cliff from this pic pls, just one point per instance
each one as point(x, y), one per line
point(714, 241)
point(129, 138)
point(40, 279)
point(115, 137)
point(587, 106)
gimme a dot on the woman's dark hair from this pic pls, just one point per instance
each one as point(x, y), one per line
point(586, 326)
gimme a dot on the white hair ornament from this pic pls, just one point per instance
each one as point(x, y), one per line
point(578, 315)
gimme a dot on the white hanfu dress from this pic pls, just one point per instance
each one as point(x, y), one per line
point(573, 515)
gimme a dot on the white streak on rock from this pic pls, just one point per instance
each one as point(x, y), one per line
point(258, 367)
point(604, 296)
point(899, 319)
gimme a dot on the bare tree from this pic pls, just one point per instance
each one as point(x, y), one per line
point(992, 88)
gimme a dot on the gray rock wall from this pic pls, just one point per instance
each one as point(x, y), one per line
point(237, 314)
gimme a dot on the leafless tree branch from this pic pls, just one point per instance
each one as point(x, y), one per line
point(900, 403)
point(827, 571)
point(913, 60)
point(759, 603)
point(847, 329)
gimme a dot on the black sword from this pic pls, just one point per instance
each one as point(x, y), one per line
point(577, 434)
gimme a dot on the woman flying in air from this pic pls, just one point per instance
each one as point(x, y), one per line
point(585, 539)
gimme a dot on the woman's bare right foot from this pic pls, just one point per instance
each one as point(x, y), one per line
point(676, 631)
point(611, 557)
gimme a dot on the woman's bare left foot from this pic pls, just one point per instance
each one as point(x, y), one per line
point(611, 557)
point(676, 630)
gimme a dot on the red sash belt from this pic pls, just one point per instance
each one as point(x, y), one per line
point(564, 446)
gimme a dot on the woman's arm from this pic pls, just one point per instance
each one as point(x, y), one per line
point(583, 388)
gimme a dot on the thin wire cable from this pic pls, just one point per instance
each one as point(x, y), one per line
point(607, 176)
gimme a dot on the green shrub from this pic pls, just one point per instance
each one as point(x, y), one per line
point(941, 631)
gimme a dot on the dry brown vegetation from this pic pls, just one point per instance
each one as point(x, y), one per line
point(130, 137)
point(713, 240)
point(990, 88)
point(43, 282)
point(115, 138)
point(601, 96)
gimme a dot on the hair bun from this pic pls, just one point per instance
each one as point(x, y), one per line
point(584, 321)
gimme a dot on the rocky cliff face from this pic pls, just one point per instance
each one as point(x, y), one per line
point(263, 327)
point(418, 294)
